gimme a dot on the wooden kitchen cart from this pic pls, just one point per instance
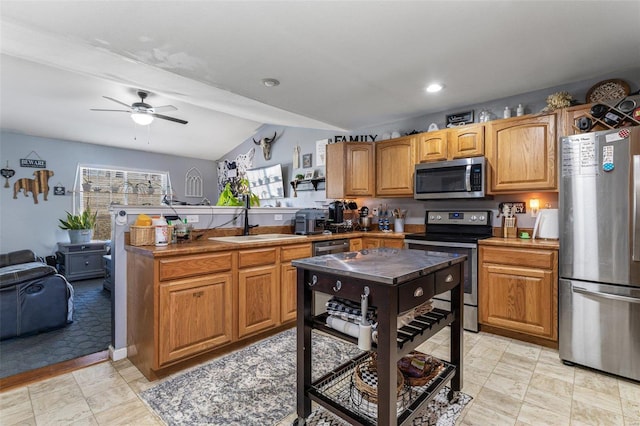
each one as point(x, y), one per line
point(395, 280)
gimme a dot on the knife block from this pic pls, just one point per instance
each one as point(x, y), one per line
point(509, 228)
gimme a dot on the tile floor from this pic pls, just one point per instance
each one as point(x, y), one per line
point(512, 383)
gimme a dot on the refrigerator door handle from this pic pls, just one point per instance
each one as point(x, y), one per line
point(635, 254)
point(606, 295)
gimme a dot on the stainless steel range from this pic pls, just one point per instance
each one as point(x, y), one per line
point(456, 232)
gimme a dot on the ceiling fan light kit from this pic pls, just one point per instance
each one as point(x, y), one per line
point(142, 113)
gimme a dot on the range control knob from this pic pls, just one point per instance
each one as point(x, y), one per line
point(432, 217)
point(474, 218)
point(438, 217)
point(482, 218)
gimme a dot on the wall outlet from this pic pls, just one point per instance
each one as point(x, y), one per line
point(193, 219)
point(277, 217)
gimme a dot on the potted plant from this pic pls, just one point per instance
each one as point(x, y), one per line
point(80, 226)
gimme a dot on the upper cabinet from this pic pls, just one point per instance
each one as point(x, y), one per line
point(450, 144)
point(350, 170)
point(522, 154)
point(395, 164)
point(597, 117)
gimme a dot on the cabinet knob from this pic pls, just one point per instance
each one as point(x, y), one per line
point(418, 292)
point(198, 294)
point(449, 278)
point(86, 263)
point(338, 286)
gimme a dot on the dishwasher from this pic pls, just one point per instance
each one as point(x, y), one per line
point(321, 248)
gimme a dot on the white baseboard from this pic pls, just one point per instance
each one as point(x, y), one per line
point(117, 354)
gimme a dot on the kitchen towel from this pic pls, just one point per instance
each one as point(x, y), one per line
point(349, 310)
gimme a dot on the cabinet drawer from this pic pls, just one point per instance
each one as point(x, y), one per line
point(83, 263)
point(543, 259)
point(447, 278)
point(298, 251)
point(256, 257)
point(415, 293)
point(189, 266)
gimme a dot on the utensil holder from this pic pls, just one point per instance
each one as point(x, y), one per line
point(398, 224)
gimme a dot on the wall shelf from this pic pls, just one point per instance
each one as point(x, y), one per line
point(295, 184)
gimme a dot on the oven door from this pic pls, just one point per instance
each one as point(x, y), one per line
point(470, 265)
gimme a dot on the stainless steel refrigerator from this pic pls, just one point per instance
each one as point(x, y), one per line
point(599, 287)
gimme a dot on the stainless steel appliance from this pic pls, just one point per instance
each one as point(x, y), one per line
point(456, 232)
point(462, 178)
point(310, 221)
point(336, 212)
point(599, 306)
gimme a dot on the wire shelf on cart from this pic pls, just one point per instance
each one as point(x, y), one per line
point(422, 326)
point(338, 390)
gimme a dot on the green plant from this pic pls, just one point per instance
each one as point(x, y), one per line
point(85, 220)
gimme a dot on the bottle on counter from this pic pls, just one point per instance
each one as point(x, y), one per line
point(520, 110)
point(161, 231)
point(507, 112)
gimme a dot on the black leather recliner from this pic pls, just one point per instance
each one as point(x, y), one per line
point(33, 296)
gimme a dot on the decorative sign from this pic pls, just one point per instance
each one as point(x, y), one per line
point(306, 160)
point(58, 190)
point(38, 163)
point(321, 151)
point(459, 118)
point(355, 138)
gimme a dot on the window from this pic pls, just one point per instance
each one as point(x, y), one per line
point(99, 187)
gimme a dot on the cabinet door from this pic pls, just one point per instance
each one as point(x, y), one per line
point(522, 154)
point(359, 170)
point(349, 170)
point(432, 146)
point(195, 315)
point(288, 291)
point(355, 244)
point(466, 141)
point(518, 299)
point(393, 243)
point(395, 164)
point(369, 243)
point(258, 299)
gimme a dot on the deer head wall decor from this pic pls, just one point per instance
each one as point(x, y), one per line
point(265, 144)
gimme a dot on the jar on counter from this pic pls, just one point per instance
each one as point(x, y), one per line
point(161, 231)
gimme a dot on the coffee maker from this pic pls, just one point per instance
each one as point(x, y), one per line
point(365, 220)
point(336, 212)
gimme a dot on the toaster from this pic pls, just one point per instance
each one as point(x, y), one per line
point(310, 221)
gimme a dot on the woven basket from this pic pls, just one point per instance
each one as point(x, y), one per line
point(142, 235)
point(433, 367)
point(369, 392)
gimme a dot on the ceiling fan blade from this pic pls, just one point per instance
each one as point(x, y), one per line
point(110, 110)
point(165, 108)
point(117, 101)
point(164, 117)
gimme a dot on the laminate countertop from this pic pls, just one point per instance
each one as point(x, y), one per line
point(520, 243)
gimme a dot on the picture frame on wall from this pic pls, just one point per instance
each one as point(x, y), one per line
point(306, 160)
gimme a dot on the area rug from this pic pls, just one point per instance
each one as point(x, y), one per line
point(257, 386)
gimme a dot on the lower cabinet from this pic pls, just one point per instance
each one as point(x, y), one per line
point(518, 290)
point(288, 279)
point(195, 315)
point(355, 244)
point(370, 242)
point(258, 290)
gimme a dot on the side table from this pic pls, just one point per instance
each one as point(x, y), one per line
point(78, 261)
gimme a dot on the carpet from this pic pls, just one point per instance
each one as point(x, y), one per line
point(90, 332)
point(257, 386)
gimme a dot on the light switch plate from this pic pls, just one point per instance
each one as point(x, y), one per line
point(277, 217)
point(193, 218)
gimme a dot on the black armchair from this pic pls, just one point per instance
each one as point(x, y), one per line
point(33, 296)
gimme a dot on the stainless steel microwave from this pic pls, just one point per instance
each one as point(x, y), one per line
point(463, 178)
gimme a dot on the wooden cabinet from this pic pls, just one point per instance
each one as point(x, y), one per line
point(288, 277)
point(522, 154)
point(195, 315)
point(449, 144)
point(518, 289)
point(395, 164)
point(350, 170)
point(355, 244)
point(379, 242)
point(258, 290)
point(611, 118)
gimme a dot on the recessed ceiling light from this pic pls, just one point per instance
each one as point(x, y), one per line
point(434, 87)
point(270, 82)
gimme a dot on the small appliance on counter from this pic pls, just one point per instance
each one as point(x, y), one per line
point(336, 212)
point(310, 221)
point(365, 220)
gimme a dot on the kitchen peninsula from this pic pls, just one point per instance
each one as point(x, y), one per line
point(394, 281)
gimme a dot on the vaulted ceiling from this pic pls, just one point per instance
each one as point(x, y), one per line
point(342, 65)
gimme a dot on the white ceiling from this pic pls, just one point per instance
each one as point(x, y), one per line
point(342, 65)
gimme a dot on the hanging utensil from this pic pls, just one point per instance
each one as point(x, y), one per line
point(6, 174)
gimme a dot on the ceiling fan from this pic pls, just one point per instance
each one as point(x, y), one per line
point(143, 113)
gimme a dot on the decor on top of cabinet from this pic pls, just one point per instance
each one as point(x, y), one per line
point(39, 185)
point(193, 183)
point(558, 100)
point(265, 144)
point(607, 90)
point(6, 174)
point(460, 118)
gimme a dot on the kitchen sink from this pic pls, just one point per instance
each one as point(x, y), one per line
point(257, 238)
